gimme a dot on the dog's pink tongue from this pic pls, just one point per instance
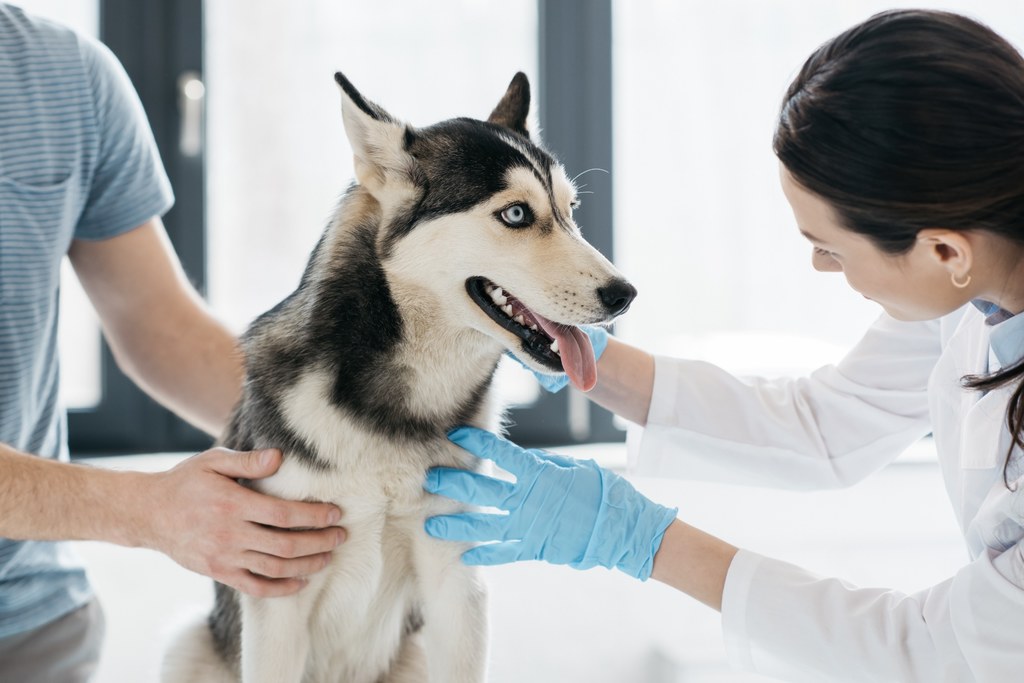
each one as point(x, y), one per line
point(576, 350)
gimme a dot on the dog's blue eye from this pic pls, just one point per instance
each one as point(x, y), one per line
point(515, 216)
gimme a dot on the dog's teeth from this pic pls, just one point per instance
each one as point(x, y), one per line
point(507, 309)
point(519, 319)
point(554, 346)
point(534, 328)
point(498, 297)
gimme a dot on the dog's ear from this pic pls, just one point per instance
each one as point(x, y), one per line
point(378, 139)
point(514, 108)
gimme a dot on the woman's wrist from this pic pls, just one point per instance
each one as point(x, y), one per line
point(693, 562)
point(625, 380)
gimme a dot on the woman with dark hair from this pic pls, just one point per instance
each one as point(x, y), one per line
point(901, 149)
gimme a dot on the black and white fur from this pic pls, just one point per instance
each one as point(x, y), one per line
point(358, 375)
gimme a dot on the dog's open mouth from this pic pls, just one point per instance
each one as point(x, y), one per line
point(559, 347)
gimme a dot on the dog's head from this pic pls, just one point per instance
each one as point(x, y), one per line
point(479, 216)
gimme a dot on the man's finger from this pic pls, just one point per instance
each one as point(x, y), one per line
point(294, 544)
point(262, 587)
point(271, 567)
point(289, 514)
point(243, 464)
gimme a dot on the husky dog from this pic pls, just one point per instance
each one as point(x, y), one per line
point(455, 244)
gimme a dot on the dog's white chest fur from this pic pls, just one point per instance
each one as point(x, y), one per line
point(388, 573)
point(372, 578)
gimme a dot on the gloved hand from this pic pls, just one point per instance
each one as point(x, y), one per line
point(560, 510)
point(555, 383)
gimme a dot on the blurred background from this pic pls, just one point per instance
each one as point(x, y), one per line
point(665, 110)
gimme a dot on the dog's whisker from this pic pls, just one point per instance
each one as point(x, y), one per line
point(582, 173)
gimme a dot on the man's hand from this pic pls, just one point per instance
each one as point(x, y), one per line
point(200, 516)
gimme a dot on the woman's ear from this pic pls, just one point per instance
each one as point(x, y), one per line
point(951, 249)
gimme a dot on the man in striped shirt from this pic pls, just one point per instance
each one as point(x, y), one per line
point(80, 176)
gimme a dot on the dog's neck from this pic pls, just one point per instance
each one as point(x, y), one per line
point(397, 370)
point(444, 363)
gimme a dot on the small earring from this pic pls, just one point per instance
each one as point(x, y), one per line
point(957, 283)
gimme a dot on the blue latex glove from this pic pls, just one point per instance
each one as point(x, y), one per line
point(555, 383)
point(560, 510)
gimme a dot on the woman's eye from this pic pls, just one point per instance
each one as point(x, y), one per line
point(515, 216)
point(825, 252)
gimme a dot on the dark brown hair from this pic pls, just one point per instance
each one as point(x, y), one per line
point(914, 119)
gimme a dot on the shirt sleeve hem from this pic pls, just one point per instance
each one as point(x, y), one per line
point(643, 454)
point(663, 407)
point(128, 222)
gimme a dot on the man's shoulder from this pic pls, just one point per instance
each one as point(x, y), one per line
point(24, 33)
point(41, 59)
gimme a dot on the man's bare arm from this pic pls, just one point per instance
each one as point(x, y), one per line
point(161, 332)
point(197, 513)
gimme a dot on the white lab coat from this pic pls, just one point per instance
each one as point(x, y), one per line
point(832, 429)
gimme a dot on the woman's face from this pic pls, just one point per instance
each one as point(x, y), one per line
point(910, 286)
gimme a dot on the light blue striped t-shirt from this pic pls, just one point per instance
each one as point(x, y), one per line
point(77, 161)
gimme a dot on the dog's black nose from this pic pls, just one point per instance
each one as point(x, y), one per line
point(617, 295)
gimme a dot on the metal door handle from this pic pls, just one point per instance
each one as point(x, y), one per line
point(191, 97)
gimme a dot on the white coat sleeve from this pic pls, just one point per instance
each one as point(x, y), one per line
point(782, 621)
point(830, 429)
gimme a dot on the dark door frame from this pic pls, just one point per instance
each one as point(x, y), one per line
point(156, 41)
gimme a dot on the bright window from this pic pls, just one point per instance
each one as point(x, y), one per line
point(701, 225)
point(278, 158)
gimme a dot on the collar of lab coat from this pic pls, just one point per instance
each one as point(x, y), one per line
point(1007, 333)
